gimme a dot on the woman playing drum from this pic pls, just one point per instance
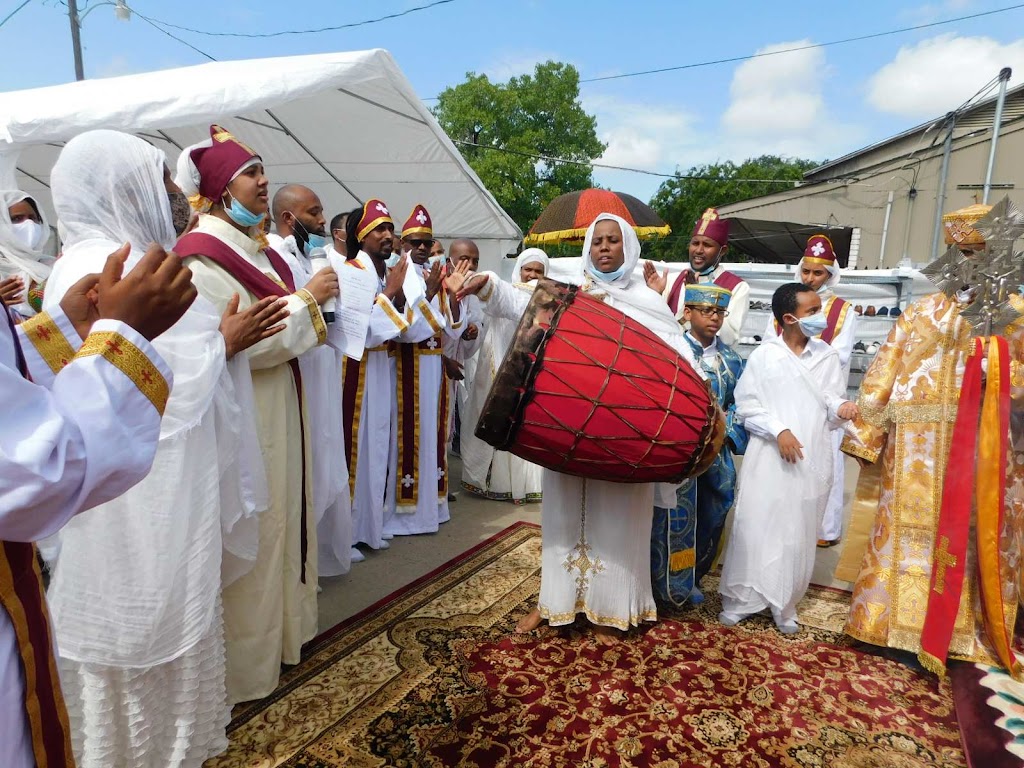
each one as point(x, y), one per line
point(596, 534)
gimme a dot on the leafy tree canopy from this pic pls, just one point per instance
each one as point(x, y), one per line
point(500, 127)
point(681, 200)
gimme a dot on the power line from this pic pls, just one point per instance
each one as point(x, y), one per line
point(281, 33)
point(748, 57)
point(567, 161)
point(11, 14)
point(156, 25)
point(871, 36)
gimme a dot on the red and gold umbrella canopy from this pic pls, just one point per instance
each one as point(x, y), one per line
point(567, 217)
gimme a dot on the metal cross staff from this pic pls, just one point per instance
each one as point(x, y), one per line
point(993, 273)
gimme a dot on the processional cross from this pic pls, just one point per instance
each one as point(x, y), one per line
point(991, 274)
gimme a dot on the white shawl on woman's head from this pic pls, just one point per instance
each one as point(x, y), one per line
point(137, 579)
point(16, 258)
point(530, 256)
point(629, 292)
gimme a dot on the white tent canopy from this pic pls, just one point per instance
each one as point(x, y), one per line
point(348, 125)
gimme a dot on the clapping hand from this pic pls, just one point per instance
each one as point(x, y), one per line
point(152, 297)
point(434, 279)
point(261, 320)
point(11, 290)
point(655, 281)
point(395, 279)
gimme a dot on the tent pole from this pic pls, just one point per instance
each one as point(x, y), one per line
point(76, 43)
point(313, 157)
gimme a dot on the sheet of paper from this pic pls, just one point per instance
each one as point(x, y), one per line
point(413, 287)
point(352, 319)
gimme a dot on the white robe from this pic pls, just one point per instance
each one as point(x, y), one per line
point(770, 553)
point(596, 551)
point(428, 322)
point(322, 369)
point(486, 471)
point(61, 454)
point(270, 612)
point(464, 352)
point(372, 414)
point(831, 528)
point(135, 592)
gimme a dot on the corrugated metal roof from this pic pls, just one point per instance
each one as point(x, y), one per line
point(973, 118)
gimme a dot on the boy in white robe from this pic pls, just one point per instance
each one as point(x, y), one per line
point(819, 269)
point(790, 396)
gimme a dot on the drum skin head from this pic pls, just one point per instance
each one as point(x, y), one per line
point(587, 391)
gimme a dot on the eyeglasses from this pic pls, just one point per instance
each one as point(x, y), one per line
point(709, 311)
point(418, 243)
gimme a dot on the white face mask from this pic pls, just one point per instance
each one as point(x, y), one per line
point(29, 233)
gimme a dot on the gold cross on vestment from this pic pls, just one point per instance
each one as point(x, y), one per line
point(943, 560)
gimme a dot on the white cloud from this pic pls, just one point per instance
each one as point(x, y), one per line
point(646, 136)
point(932, 12)
point(509, 65)
point(115, 66)
point(936, 75)
point(779, 107)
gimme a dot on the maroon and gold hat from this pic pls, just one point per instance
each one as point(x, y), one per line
point(375, 213)
point(819, 250)
point(710, 224)
point(219, 163)
point(418, 223)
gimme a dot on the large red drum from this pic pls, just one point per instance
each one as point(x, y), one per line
point(587, 391)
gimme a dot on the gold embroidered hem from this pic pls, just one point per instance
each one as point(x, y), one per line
point(130, 360)
point(319, 326)
point(560, 619)
point(850, 448)
point(49, 342)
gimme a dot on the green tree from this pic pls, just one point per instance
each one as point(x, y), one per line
point(501, 127)
point(681, 200)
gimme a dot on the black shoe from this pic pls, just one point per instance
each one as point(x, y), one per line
point(452, 497)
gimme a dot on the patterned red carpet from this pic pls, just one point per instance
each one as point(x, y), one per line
point(432, 676)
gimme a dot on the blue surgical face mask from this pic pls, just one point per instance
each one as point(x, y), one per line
point(241, 215)
point(435, 260)
point(813, 325)
point(607, 277)
point(392, 260)
point(309, 241)
point(313, 241)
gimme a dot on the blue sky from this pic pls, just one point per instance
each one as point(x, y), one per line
point(818, 103)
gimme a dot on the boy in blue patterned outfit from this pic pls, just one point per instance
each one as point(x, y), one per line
point(684, 540)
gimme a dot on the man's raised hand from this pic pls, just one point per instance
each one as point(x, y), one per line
point(152, 297)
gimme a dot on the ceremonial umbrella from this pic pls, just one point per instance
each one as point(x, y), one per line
point(566, 218)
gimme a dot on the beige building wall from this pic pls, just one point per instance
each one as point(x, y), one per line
point(855, 192)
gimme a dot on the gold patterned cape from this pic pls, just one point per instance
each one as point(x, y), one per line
point(908, 403)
